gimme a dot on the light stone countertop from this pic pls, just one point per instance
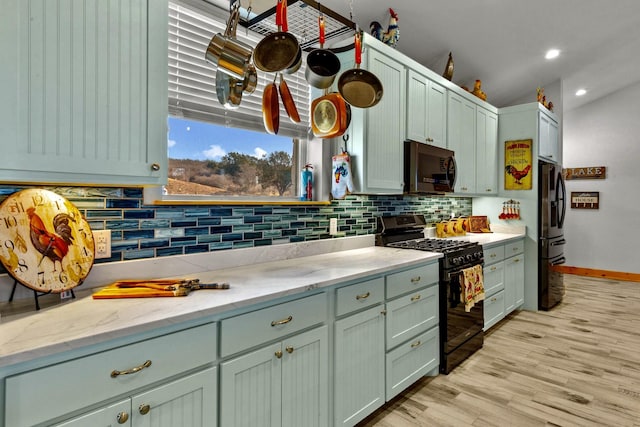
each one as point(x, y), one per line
point(256, 275)
point(85, 321)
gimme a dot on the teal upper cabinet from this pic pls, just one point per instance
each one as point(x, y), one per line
point(85, 92)
point(549, 147)
point(472, 133)
point(426, 110)
point(378, 132)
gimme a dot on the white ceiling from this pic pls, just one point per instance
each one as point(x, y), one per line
point(503, 42)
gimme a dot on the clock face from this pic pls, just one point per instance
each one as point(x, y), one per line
point(45, 243)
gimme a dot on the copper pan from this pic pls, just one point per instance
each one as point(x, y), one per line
point(277, 51)
point(360, 88)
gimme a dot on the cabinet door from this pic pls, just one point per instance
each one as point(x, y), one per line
point(117, 414)
point(514, 283)
point(189, 401)
point(85, 97)
point(305, 377)
point(426, 110)
point(385, 128)
point(486, 151)
point(359, 366)
point(461, 117)
point(437, 115)
point(250, 389)
point(548, 138)
point(417, 106)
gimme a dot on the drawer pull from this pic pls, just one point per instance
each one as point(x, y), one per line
point(279, 354)
point(516, 260)
point(144, 409)
point(493, 268)
point(416, 344)
point(289, 349)
point(363, 296)
point(383, 312)
point(416, 297)
point(415, 279)
point(282, 322)
point(122, 417)
point(115, 372)
point(493, 255)
point(494, 299)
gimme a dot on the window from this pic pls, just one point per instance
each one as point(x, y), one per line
point(218, 153)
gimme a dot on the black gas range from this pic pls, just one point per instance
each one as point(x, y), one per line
point(461, 332)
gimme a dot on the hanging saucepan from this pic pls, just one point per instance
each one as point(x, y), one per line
point(297, 62)
point(271, 108)
point(230, 55)
point(330, 115)
point(360, 88)
point(287, 101)
point(277, 51)
point(322, 64)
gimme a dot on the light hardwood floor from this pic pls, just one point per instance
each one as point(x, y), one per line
point(576, 365)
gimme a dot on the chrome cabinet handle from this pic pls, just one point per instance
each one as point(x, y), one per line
point(144, 409)
point(155, 167)
point(415, 279)
point(363, 296)
point(416, 344)
point(416, 298)
point(115, 372)
point(122, 417)
point(282, 322)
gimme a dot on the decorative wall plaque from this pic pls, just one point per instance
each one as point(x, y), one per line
point(585, 199)
point(517, 165)
point(589, 172)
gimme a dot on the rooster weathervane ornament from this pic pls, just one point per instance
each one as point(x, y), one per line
point(392, 35)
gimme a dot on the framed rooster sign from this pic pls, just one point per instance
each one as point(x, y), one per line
point(517, 165)
point(45, 243)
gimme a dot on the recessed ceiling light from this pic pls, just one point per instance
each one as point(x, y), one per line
point(552, 53)
point(581, 92)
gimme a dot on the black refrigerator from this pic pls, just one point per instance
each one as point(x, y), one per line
point(552, 208)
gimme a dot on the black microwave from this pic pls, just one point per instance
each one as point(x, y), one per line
point(428, 169)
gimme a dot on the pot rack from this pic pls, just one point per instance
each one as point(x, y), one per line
point(302, 18)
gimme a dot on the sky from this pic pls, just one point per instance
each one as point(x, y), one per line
point(189, 139)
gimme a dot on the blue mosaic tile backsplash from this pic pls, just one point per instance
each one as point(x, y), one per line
point(141, 231)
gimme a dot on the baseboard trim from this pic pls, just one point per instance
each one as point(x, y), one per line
point(603, 274)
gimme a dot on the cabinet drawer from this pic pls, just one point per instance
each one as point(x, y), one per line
point(412, 360)
point(360, 295)
point(247, 330)
point(493, 309)
point(515, 248)
point(411, 314)
point(493, 278)
point(493, 254)
point(410, 280)
point(78, 383)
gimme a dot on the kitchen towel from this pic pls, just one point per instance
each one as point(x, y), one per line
point(472, 286)
point(342, 184)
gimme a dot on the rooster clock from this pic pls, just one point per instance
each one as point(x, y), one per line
point(45, 243)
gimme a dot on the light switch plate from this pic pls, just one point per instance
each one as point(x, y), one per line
point(102, 240)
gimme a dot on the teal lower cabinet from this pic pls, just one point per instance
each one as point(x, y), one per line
point(359, 365)
point(382, 348)
point(166, 380)
point(503, 281)
point(281, 384)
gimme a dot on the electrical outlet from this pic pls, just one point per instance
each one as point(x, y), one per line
point(333, 226)
point(102, 240)
point(66, 294)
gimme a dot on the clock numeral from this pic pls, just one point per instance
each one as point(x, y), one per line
point(10, 221)
point(38, 200)
point(22, 265)
point(62, 277)
point(41, 277)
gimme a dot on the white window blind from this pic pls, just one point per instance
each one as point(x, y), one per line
point(192, 88)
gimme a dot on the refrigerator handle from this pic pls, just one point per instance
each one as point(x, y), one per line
point(561, 197)
point(559, 261)
point(558, 243)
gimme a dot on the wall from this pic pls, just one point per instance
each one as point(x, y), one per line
point(605, 132)
point(140, 231)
